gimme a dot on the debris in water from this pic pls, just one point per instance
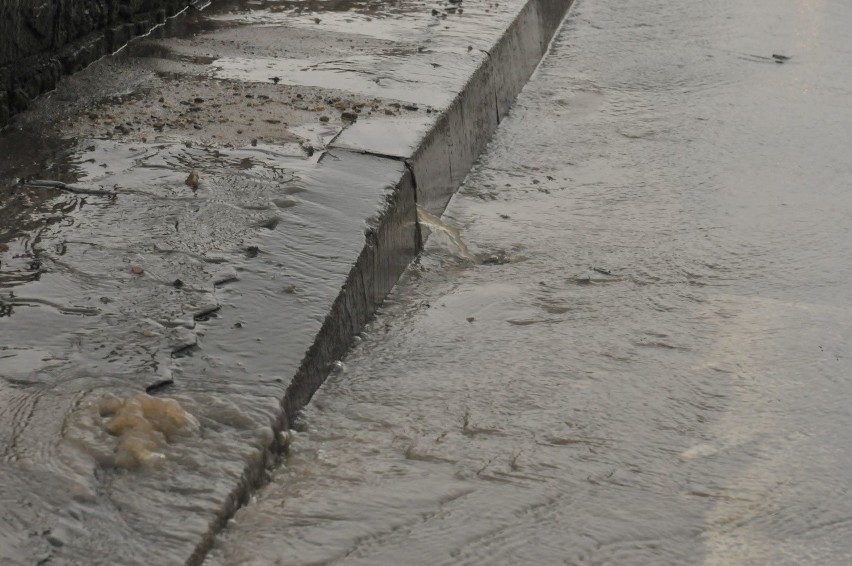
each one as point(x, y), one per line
point(77, 189)
point(780, 58)
point(227, 275)
point(284, 202)
point(159, 384)
point(501, 257)
point(144, 426)
point(204, 312)
point(193, 180)
point(270, 223)
point(137, 270)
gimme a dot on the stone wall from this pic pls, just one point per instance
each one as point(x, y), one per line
point(41, 40)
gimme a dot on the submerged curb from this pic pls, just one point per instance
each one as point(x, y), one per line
point(435, 170)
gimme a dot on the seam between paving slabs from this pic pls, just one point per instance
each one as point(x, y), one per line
point(394, 241)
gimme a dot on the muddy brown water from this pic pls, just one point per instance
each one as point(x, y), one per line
point(649, 364)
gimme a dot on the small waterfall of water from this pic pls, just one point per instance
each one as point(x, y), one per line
point(448, 236)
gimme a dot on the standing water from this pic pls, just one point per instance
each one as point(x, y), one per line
point(653, 366)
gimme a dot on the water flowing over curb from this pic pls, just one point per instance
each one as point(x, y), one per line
point(436, 168)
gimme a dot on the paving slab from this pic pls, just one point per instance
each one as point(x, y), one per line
point(211, 216)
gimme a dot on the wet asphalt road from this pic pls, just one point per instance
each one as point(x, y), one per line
point(649, 362)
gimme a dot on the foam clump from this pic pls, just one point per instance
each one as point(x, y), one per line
point(144, 426)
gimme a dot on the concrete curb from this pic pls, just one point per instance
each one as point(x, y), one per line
point(392, 241)
point(42, 41)
point(436, 169)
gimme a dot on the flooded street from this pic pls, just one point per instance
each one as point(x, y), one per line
point(648, 360)
point(192, 231)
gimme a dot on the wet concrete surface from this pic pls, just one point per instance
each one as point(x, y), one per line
point(647, 362)
point(176, 220)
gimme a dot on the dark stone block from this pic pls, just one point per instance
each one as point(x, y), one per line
point(42, 39)
point(4, 108)
point(18, 101)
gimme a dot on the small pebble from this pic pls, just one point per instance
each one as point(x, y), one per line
point(193, 180)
